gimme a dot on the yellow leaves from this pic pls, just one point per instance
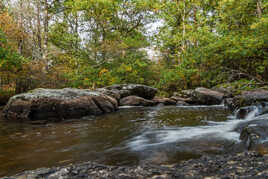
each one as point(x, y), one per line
point(104, 70)
point(11, 29)
point(1, 63)
point(128, 68)
point(125, 68)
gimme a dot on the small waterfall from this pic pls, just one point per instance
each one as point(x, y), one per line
point(249, 112)
point(253, 113)
point(216, 130)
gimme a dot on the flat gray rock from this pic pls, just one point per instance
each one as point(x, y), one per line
point(58, 104)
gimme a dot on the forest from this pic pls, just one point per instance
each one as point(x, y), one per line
point(133, 89)
point(168, 44)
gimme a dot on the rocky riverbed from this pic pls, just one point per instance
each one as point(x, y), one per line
point(141, 142)
point(243, 165)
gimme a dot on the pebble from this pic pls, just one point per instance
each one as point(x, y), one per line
point(248, 165)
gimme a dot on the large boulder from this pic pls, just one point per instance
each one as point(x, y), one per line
point(248, 98)
point(58, 104)
point(200, 96)
point(136, 101)
point(254, 132)
point(112, 93)
point(125, 90)
point(207, 96)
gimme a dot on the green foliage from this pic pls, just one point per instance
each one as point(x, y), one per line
point(62, 39)
point(133, 68)
point(238, 86)
point(215, 41)
point(10, 60)
point(95, 43)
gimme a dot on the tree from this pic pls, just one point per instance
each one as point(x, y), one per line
point(213, 39)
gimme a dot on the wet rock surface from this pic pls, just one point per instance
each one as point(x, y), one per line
point(243, 165)
point(58, 104)
point(229, 103)
point(243, 112)
point(248, 98)
point(254, 133)
point(142, 91)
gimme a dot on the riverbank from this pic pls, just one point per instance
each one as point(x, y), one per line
point(243, 165)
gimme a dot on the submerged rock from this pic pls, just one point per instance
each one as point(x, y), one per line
point(58, 104)
point(248, 98)
point(125, 90)
point(136, 101)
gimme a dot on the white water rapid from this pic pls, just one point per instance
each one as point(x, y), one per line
point(220, 130)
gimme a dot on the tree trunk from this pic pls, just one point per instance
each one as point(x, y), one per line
point(184, 29)
point(45, 30)
point(76, 30)
point(259, 9)
point(20, 43)
point(39, 38)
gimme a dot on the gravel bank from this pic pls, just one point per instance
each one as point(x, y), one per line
point(243, 165)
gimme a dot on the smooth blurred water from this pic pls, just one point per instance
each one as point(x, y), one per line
point(160, 135)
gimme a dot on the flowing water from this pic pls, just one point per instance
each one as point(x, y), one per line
point(160, 135)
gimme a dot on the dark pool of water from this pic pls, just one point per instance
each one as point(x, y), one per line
point(127, 137)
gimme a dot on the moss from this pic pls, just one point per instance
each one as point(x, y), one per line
point(163, 94)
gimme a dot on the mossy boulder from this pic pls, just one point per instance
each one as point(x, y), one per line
point(58, 104)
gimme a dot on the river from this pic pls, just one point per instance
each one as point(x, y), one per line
point(130, 136)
